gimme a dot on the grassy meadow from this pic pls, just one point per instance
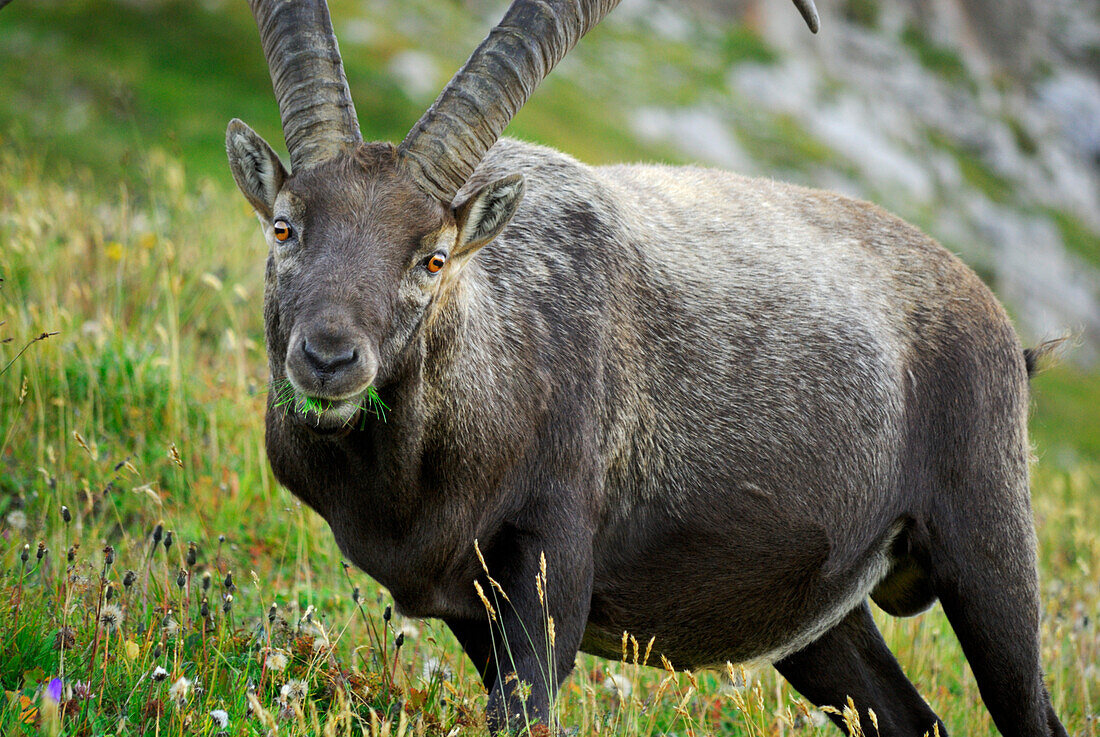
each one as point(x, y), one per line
point(154, 579)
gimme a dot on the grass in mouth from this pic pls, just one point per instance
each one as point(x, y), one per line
point(287, 398)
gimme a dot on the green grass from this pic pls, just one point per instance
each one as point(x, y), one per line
point(288, 399)
point(125, 238)
point(145, 409)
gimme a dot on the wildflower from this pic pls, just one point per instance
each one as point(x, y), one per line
point(17, 519)
point(276, 660)
point(220, 718)
point(54, 690)
point(110, 617)
point(293, 690)
point(179, 691)
point(159, 674)
point(82, 690)
point(132, 650)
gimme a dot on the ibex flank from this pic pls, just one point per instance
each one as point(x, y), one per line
point(715, 411)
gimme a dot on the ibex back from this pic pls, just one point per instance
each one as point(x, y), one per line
point(714, 411)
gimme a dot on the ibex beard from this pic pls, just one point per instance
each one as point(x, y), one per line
point(714, 412)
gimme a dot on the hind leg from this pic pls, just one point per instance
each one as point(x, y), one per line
point(852, 661)
point(984, 572)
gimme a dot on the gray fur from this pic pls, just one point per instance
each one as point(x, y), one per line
point(727, 411)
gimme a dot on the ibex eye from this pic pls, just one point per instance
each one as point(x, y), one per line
point(281, 229)
point(435, 261)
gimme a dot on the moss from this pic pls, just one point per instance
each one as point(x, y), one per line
point(976, 172)
point(1078, 237)
point(941, 60)
point(863, 12)
point(783, 142)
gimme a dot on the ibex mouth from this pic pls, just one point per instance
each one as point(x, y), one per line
point(328, 414)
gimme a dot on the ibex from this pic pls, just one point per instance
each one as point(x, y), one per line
point(710, 410)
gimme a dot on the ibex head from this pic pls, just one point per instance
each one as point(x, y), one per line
point(364, 237)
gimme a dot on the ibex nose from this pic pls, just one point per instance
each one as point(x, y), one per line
point(329, 356)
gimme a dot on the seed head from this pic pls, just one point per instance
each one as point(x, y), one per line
point(179, 691)
point(71, 556)
point(399, 641)
point(204, 608)
point(158, 533)
point(108, 556)
point(110, 617)
point(220, 718)
point(42, 550)
point(181, 578)
point(387, 613)
point(355, 595)
point(167, 541)
point(206, 579)
point(26, 554)
point(276, 660)
point(271, 611)
point(128, 579)
point(66, 515)
point(109, 592)
point(192, 554)
point(228, 583)
point(293, 690)
point(228, 605)
point(159, 674)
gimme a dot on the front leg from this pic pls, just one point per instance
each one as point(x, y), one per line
point(529, 644)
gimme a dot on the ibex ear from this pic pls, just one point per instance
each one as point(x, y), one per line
point(481, 218)
point(258, 171)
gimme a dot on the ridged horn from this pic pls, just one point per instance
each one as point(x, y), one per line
point(308, 77)
point(446, 144)
point(444, 147)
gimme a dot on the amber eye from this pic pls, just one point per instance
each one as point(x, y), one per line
point(281, 229)
point(436, 261)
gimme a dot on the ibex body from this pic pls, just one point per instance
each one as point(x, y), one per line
point(721, 412)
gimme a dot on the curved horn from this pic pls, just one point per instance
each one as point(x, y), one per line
point(446, 144)
point(809, 14)
point(304, 60)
